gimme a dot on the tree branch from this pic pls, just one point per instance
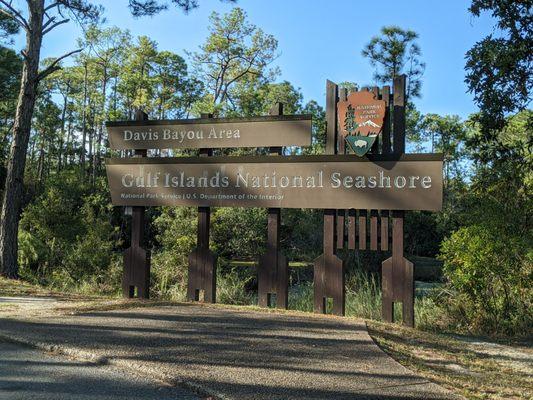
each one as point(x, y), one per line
point(50, 20)
point(14, 14)
point(24, 54)
point(57, 3)
point(63, 21)
point(54, 67)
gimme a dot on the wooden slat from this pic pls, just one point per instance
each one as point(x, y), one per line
point(384, 222)
point(343, 93)
point(399, 115)
point(362, 229)
point(331, 117)
point(385, 134)
point(351, 229)
point(329, 231)
point(376, 145)
point(373, 230)
point(340, 229)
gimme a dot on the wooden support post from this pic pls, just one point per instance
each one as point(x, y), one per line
point(136, 258)
point(329, 272)
point(328, 268)
point(397, 271)
point(202, 261)
point(273, 268)
point(397, 277)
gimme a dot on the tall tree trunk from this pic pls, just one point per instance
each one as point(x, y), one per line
point(91, 142)
point(98, 160)
point(13, 192)
point(69, 157)
point(115, 97)
point(62, 137)
point(84, 121)
point(96, 153)
point(40, 162)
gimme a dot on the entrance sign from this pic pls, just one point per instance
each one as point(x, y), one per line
point(361, 119)
point(268, 131)
point(409, 182)
point(364, 198)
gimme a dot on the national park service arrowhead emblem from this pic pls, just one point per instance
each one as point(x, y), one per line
point(360, 119)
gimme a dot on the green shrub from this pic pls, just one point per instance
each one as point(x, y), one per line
point(490, 275)
point(239, 233)
point(66, 236)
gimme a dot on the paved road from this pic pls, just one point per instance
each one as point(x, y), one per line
point(236, 354)
point(31, 374)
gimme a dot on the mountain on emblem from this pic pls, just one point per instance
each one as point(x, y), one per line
point(370, 123)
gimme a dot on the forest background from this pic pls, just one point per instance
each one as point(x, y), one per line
point(70, 237)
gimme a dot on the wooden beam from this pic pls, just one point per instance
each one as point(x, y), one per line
point(136, 259)
point(273, 270)
point(202, 261)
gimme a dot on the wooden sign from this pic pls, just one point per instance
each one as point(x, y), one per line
point(360, 120)
point(411, 182)
point(268, 131)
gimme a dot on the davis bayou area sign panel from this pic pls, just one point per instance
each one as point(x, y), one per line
point(411, 182)
point(287, 130)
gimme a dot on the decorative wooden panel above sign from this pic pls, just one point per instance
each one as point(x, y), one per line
point(361, 119)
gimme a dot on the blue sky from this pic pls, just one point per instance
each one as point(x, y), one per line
point(322, 39)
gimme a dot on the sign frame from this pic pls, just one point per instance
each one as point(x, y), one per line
point(420, 196)
point(263, 131)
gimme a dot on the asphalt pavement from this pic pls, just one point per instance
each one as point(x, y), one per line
point(222, 351)
point(26, 373)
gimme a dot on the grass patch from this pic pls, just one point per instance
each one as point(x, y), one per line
point(19, 288)
point(16, 287)
point(454, 363)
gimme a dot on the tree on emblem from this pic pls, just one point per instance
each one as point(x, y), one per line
point(349, 121)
